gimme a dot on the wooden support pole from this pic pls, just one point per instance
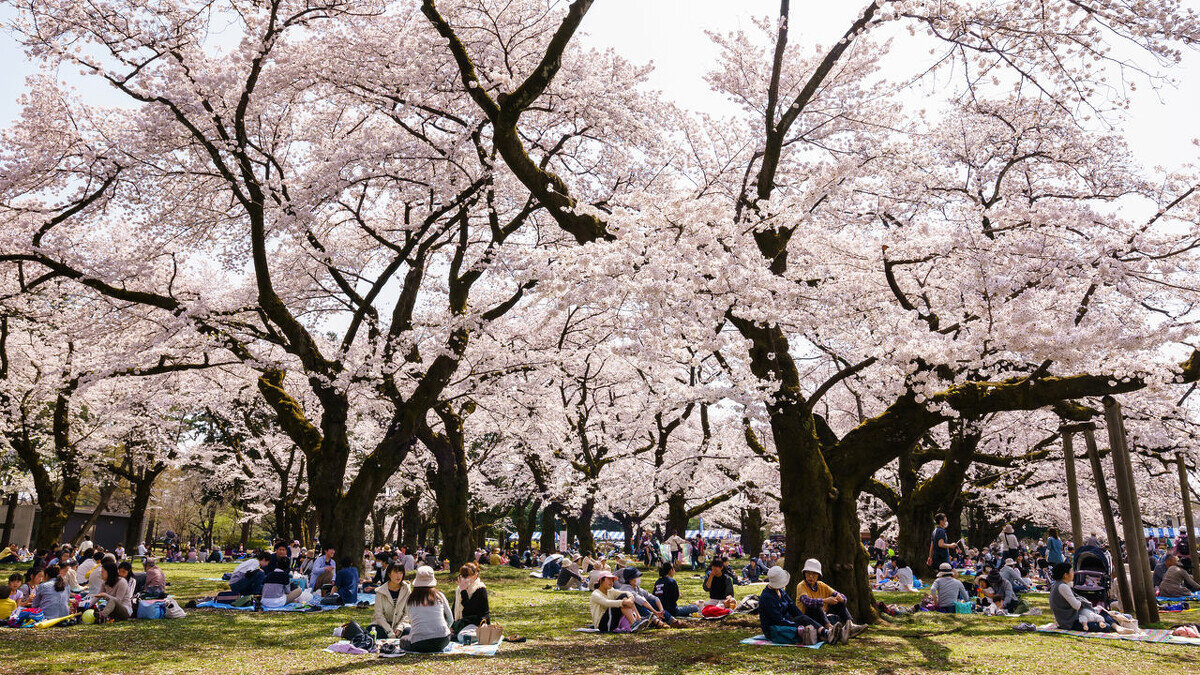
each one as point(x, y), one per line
point(1072, 487)
point(1131, 515)
point(1124, 591)
point(1188, 519)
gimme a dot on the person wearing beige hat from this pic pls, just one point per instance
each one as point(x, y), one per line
point(569, 577)
point(613, 611)
point(825, 605)
point(429, 615)
point(946, 590)
point(1009, 544)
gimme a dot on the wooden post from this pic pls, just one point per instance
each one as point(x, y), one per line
point(1188, 518)
point(1072, 486)
point(1110, 526)
point(1131, 515)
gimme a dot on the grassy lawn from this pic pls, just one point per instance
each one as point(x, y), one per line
point(211, 641)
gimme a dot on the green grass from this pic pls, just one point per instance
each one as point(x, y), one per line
point(212, 641)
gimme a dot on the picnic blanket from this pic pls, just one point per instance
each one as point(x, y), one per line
point(368, 598)
point(762, 641)
point(1147, 635)
point(452, 648)
point(1187, 598)
point(290, 607)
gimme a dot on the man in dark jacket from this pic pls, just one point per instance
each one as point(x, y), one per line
point(719, 584)
point(666, 589)
point(781, 620)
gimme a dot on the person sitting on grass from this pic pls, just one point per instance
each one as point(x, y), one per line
point(823, 604)
point(26, 591)
point(116, 591)
point(719, 585)
point(666, 589)
point(647, 605)
point(782, 621)
point(752, 571)
point(429, 613)
point(322, 569)
point(345, 582)
point(7, 604)
point(154, 575)
point(612, 611)
point(903, 579)
point(884, 572)
point(946, 590)
point(569, 577)
point(1176, 582)
point(1012, 574)
point(1002, 595)
point(1072, 612)
point(470, 601)
point(249, 575)
point(391, 602)
point(51, 595)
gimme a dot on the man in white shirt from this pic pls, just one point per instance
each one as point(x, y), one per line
point(675, 544)
point(323, 561)
point(142, 549)
point(87, 543)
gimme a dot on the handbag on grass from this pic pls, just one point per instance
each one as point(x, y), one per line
point(489, 634)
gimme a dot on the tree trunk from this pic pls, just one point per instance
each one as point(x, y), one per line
point(752, 531)
point(50, 525)
point(820, 518)
point(581, 527)
point(106, 493)
point(627, 528)
point(677, 517)
point(410, 522)
point(451, 492)
point(526, 523)
point(10, 513)
point(137, 513)
point(377, 518)
point(244, 539)
point(549, 543)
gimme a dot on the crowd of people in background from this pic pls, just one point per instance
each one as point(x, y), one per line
point(65, 580)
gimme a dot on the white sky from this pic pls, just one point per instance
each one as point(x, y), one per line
point(670, 33)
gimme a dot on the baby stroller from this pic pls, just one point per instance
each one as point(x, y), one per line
point(1092, 577)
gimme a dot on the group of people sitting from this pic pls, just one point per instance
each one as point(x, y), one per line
point(620, 604)
point(61, 581)
point(269, 579)
point(420, 615)
point(1172, 579)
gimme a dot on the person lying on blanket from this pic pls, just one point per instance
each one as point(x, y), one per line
point(613, 611)
point(823, 604)
point(430, 615)
point(782, 621)
point(1072, 612)
point(666, 589)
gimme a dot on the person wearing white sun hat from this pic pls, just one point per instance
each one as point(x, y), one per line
point(429, 615)
point(825, 605)
point(781, 620)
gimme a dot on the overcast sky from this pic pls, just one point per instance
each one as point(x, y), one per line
point(670, 33)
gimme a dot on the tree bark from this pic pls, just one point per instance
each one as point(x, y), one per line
point(451, 487)
point(677, 516)
point(410, 522)
point(548, 543)
point(137, 512)
point(752, 530)
point(10, 512)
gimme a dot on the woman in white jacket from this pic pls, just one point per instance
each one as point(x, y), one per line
point(391, 602)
